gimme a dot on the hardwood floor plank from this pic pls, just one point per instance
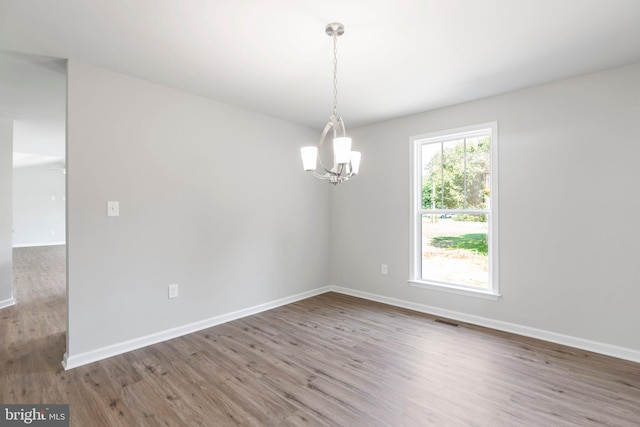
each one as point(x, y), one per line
point(330, 360)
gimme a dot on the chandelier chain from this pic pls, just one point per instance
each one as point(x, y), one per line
point(335, 73)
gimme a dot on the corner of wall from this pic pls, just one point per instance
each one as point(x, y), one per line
point(6, 228)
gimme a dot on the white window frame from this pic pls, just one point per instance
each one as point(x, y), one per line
point(415, 274)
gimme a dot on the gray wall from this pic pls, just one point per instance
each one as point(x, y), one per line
point(569, 237)
point(38, 205)
point(6, 169)
point(212, 197)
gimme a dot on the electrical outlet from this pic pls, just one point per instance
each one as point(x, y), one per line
point(383, 269)
point(173, 291)
point(113, 208)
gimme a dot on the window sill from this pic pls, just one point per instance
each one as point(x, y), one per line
point(478, 293)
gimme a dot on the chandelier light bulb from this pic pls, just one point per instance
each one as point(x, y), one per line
point(355, 162)
point(309, 158)
point(342, 150)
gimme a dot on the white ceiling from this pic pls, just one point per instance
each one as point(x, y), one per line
point(397, 57)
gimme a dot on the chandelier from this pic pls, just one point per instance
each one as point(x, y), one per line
point(345, 162)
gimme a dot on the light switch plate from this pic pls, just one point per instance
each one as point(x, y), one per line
point(173, 291)
point(113, 208)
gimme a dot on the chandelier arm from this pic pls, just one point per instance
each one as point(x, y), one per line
point(341, 122)
point(317, 175)
point(330, 125)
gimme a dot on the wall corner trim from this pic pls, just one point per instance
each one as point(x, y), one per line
point(7, 303)
point(570, 341)
point(74, 361)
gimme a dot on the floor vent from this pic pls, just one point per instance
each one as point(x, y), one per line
point(447, 322)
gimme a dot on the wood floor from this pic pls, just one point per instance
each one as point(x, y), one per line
point(330, 360)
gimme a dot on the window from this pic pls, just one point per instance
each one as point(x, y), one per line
point(454, 210)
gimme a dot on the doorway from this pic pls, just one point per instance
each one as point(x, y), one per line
point(34, 101)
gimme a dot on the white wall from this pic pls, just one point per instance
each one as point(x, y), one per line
point(6, 168)
point(569, 234)
point(38, 205)
point(212, 197)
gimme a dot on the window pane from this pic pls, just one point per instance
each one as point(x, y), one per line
point(453, 174)
point(443, 175)
point(432, 176)
point(455, 249)
point(478, 172)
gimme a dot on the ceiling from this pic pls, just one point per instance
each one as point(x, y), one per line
point(397, 57)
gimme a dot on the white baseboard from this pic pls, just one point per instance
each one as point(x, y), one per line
point(594, 346)
point(34, 245)
point(74, 361)
point(7, 303)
